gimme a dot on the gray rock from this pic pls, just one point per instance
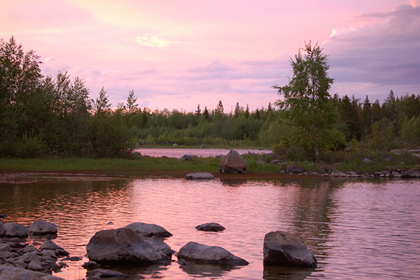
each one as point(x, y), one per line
point(284, 249)
point(15, 230)
point(233, 163)
point(148, 230)
point(5, 247)
point(30, 256)
point(338, 173)
point(35, 265)
point(187, 157)
point(210, 227)
point(49, 245)
point(199, 176)
point(122, 246)
point(201, 253)
point(412, 173)
point(294, 169)
point(39, 227)
point(16, 273)
point(366, 160)
point(104, 273)
point(2, 229)
point(161, 246)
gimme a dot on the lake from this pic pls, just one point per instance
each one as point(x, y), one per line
point(179, 152)
point(357, 229)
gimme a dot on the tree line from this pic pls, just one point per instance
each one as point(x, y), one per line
point(54, 116)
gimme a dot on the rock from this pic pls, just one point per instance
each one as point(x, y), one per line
point(199, 176)
point(16, 273)
point(122, 245)
point(233, 163)
point(366, 160)
point(210, 227)
point(260, 160)
point(90, 265)
point(202, 146)
point(338, 173)
point(161, 246)
point(294, 169)
point(39, 227)
point(15, 230)
point(49, 245)
point(2, 229)
point(201, 253)
point(4, 247)
point(275, 161)
point(148, 230)
point(35, 265)
point(28, 257)
point(187, 157)
point(104, 273)
point(412, 173)
point(3, 216)
point(284, 249)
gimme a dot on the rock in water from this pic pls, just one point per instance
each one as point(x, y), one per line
point(149, 230)
point(39, 227)
point(210, 227)
point(201, 253)
point(122, 246)
point(233, 163)
point(284, 249)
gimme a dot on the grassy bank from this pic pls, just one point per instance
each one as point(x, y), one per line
point(142, 166)
point(172, 167)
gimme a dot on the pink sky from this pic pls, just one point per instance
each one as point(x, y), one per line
point(178, 54)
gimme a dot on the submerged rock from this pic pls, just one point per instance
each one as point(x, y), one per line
point(284, 249)
point(210, 227)
point(201, 253)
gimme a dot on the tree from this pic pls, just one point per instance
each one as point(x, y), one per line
point(101, 104)
point(306, 101)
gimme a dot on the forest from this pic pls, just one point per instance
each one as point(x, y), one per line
point(43, 116)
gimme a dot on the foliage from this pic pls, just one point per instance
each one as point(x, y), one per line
point(306, 101)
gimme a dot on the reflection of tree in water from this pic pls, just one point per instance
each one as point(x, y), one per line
point(310, 217)
point(313, 213)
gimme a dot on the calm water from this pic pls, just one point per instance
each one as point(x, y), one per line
point(179, 152)
point(356, 229)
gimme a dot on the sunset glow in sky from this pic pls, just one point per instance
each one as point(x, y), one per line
point(178, 54)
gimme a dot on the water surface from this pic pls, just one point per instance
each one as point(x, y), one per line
point(366, 229)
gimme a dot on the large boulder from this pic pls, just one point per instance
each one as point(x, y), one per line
point(15, 230)
point(40, 227)
point(210, 227)
point(233, 163)
point(16, 273)
point(148, 230)
point(201, 253)
point(122, 245)
point(284, 249)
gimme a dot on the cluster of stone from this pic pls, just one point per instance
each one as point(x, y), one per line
point(330, 171)
point(29, 261)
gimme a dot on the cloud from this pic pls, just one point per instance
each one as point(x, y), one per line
point(159, 41)
point(384, 54)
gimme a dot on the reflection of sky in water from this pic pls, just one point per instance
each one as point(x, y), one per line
point(356, 229)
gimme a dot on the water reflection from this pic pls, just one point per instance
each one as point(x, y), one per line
point(356, 229)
